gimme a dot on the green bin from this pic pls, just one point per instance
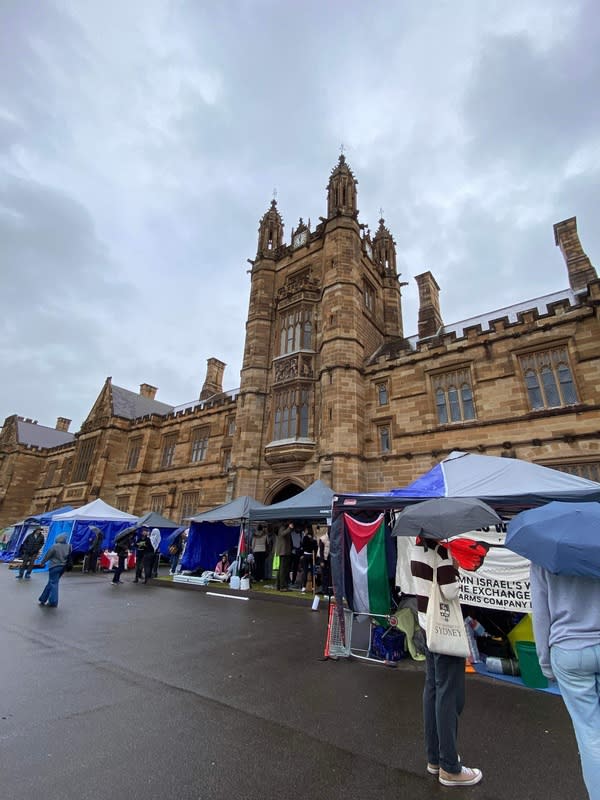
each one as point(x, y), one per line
point(531, 672)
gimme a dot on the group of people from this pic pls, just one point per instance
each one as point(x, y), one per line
point(145, 542)
point(298, 549)
point(566, 620)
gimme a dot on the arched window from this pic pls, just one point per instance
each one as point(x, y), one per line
point(454, 402)
point(550, 388)
point(467, 401)
point(442, 410)
point(567, 387)
point(548, 379)
point(454, 397)
point(307, 341)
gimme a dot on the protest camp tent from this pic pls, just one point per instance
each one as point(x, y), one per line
point(508, 485)
point(166, 527)
point(313, 504)
point(76, 524)
point(22, 528)
point(218, 530)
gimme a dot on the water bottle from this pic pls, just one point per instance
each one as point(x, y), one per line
point(502, 666)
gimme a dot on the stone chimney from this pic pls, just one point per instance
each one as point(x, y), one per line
point(213, 383)
point(148, 391)
point(579, 267)
point(62, 424)
point(430, 317)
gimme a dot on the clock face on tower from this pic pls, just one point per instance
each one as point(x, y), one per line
point(300, 238)
point(369, 250)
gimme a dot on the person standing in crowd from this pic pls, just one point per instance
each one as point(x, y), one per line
point(148, 558)
point(122, 545)
point(283, 549)
point(566, 625)
point(444, 692)
point(296, 552)
point(56, 557)
point(155, 538)
point(141, 543)
point(175, 551)
point(95, 547)
point(325, 562)
point(309, 548)
point(259, 551)
point(29, 551)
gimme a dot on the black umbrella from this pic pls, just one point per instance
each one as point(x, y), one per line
point(442, 517)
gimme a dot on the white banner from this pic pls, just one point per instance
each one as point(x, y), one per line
point(502, 581)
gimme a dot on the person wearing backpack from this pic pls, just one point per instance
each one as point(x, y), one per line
point(56, 557)
point(29, 551)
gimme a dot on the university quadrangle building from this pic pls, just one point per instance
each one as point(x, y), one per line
point(331, 387)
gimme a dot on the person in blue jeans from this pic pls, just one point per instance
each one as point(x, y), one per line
point(56, 557)
point(566, 625)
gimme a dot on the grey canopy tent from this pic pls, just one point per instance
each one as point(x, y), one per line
point(220, 529)
point(166, 527)
point(314, 503)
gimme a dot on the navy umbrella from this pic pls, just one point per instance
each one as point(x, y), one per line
point(442, 517)
point(562, 537)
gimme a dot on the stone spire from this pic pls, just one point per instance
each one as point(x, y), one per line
point(270, 232)
point(384, 250)
point(341, 191)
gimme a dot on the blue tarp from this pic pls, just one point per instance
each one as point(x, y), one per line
point(206, 541)
point(22, 528)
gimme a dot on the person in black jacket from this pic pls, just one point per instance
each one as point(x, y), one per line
point(29, 551)
point(122, 545)
point(95, 546)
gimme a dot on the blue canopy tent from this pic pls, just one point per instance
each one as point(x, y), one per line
point(215, 531)
point(21, 529)
point(76, 525)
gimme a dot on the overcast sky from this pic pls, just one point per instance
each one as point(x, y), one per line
point(140, 142)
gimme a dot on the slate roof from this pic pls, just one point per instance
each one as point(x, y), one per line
point(130, 405)
point(41, 436)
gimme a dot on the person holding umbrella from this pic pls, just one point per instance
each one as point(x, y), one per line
point(433, 568)
point(122, 545)
point(562, 541)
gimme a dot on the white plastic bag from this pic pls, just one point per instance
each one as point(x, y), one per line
point(445, 628)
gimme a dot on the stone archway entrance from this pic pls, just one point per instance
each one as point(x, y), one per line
point(284, 493)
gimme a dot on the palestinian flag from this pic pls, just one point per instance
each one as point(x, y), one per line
point(368, 590)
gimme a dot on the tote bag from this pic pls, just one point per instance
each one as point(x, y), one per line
point(445, 628)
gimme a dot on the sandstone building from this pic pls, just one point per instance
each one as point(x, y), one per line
point(331, 388)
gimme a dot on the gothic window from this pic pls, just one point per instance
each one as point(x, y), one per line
point(291, 417)
point(382, 394)
point(199, 444)
point(123, 502)
point(227, 460)
point(548, 379)
point(295, 331)
point(158, 503)
point(385, 442)
point(454, 396)
point(85, 454)
point(65, 476)
point(189, 504)
point(303, 414)
point(50, 473)
point(135, 448)
point(230, 425)
point(167, 453)
point(369, 296)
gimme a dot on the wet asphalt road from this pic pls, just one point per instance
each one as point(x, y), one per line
point(150, 692)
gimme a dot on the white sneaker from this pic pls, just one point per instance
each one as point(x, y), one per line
point(468, 776)
point(303, 589)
